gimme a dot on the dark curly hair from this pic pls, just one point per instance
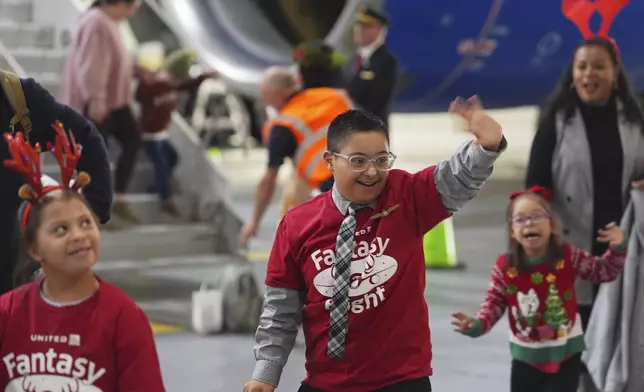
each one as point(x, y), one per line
point(320, 64)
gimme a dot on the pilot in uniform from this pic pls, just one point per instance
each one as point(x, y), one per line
point(373, 70)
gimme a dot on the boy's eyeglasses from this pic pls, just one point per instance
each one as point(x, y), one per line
point(359, 163)
point(522, 220)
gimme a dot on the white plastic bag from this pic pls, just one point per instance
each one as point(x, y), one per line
point(207, 310)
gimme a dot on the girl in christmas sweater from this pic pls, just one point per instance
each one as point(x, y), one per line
point(535, 281)
point(70, 331)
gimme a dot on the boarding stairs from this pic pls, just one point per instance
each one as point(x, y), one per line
point(33, 38)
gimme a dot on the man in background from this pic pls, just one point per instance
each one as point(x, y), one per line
point(373, 70)
point(299, 130)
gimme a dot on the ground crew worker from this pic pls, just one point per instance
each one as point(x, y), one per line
point(280, 83)
point(373, 70)
point(299, 131)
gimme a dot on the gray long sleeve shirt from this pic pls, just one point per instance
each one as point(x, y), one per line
point(458, 180)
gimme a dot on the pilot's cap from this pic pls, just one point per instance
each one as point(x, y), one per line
point(318, 54)
point(370, 15)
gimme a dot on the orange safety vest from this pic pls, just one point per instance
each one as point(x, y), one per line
point(308, 115)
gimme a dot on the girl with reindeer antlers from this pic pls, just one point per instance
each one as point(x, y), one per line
point(43, 110)
point(70, 331)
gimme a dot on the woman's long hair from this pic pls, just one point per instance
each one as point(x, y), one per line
point(564, 97)
point(320, 65)
point(322, 77)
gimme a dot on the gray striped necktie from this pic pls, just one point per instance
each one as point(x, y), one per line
point(345, 244)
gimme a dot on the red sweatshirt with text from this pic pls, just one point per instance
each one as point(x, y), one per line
point(103, 344)
point(388, 339)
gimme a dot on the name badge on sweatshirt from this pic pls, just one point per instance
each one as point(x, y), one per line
point(367, 75)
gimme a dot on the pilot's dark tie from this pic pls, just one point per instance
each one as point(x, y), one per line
point(345, 244)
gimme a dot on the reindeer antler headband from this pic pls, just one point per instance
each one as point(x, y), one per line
point(581, 11)
point(25, 159)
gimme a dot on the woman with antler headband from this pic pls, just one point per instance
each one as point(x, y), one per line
point(94, 336)
point(588, 149)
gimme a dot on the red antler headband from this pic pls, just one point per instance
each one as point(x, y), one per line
point(581, 11)
point(535, 190)
point(65, 156)
point(612, 43)
point(26, 160)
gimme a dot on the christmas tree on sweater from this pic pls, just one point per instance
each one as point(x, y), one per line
point(555, 315)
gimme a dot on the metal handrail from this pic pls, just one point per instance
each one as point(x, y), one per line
point(197, 175)
point(11, 61)
point(80, 6)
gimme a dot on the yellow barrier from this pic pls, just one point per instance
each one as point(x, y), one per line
point(439, 247)
point(162, 328)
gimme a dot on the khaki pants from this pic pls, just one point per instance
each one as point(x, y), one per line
point(296, 191)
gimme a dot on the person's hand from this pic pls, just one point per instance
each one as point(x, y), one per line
point(612, 234)
point(462, 322)
point(249, 230)
point(486, 130)
point(97, 111)
point(258, 386)
point(638, 184)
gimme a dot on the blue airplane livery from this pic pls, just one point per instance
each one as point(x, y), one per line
point(508, 51)
point(511, 52)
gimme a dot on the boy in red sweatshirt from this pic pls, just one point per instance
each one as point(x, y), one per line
point(348, 264)
point(158, 95)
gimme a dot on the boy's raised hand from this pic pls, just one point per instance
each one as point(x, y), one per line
point(462, 322)
point(612, 234)
point(487, 131)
